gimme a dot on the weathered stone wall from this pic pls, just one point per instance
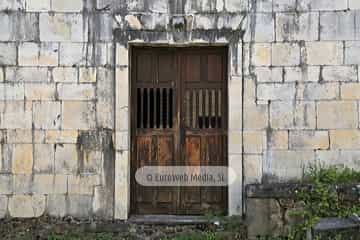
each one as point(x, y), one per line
point(296, 63)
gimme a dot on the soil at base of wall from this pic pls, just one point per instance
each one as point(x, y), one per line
point(46, 228)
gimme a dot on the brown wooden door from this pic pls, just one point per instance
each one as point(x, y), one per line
point(179, 118)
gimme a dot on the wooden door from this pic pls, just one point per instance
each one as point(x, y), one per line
point(179, 118)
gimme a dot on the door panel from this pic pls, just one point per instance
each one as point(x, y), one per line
point(179, 119)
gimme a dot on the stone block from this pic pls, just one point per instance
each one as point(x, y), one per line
point(38, 5)
point(235, 142)
point(18, 26)
point(65, 75)
point(92, 162)
point(102, 54)
point(34, 54)
point(283, 91)
point(56, 205)
point(40, 91)
point(27, 74)
point(60, 183)
point(261, 54)
point(83, 185)
point(350, 91)
point(133, 22)
point(302, 74)
point(22, 159)
point(281, 115)
point(2, 75)
point(122, 188)
point(159, 21)
point(66, 158)
point(75, 54)
point(82, 91)
point(286, 165)
point(337, 25)
point(49, 184)
point(87, 75)
point(105, 113)
point(309, 140)
point(12, 5)
point(122, 55)
point(78, 115)
point(354, 4)
point(256, 117)
point(79, 206)
point(345, 139)
point(7, 54)
point(13, 91)
point(22, 183)
point(27, 206)
point(122, 87)
point(17, 115)
point(47, 115)
point(44, 157)
point(284, 5)
point(6, 184)
point(352, 52)
point(339, 74)
point(264, 217)
point(297, 26)
point(6, 164)
point(259, 27)
point(235, 6)
point(204, 22)
point(253, 166)
point(322, 5)
point(324, 53)
point(278, 140)
point(268, 74)
point(316, 91)
point(339, 158)
point(19, 136)
point(261, 5)
point(63, 136)
point(254, 142)
point(66, 5)
point(63, 27)
point(292, 115)
point(337, 114)
point(285, 54)
point(3, 206)
point(122, 141)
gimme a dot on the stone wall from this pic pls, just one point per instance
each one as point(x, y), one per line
point(64, 78)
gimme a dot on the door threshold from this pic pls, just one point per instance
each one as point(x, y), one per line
point(170, 219)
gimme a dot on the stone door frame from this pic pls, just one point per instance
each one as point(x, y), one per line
point(123, 43)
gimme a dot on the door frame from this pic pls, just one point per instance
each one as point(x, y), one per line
point(123, 148)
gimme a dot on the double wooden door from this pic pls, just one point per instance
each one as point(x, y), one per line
point(179, 118)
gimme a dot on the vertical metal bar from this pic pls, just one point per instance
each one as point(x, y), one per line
point(204, 105)
point(167, 107)
point(197, 109)
point(220, 110)
point(210, 106)
point(194, 107)
point(161, 109)
point(207, 110)
point(142, 107)
point(216, 108)
point(148, 108)
point(155, 106)
point(201, 111)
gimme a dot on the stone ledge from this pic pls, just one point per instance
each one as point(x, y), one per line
point(288, 190)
